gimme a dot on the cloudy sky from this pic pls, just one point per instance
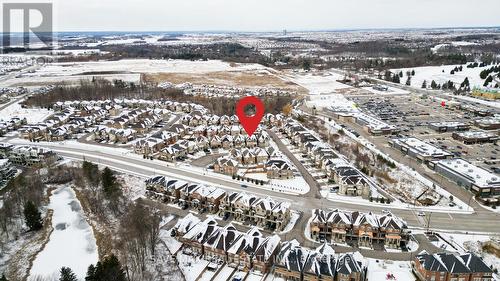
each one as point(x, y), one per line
point(269, 15)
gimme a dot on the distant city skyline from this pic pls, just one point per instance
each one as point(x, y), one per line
point(270, 15)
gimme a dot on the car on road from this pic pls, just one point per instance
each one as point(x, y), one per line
point(421, 214)
point(244, 186)
point(385, 211)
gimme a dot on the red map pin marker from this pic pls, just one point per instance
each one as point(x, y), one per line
point(250, 123)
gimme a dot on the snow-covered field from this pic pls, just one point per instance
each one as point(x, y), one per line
point(441, 74)
point(32, 115)
point(72, 243)
point(319, 84)
point(143, 66)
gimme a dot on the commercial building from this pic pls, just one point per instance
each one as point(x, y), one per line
point(449, 126)
point(476, 179)
point(420, 150)
point(474, 137)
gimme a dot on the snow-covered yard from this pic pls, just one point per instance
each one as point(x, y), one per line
point(72, 243)
point(190, 266)
point(32, 115)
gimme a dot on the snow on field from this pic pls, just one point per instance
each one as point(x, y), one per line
point(436, 73)
point(32, 115)
point(173, 245)
point(190, 266)
point(133, 187)
point(319, 84)
point(71, 244)
point(332, 100)
point(295, 185)
point(143, 66)
point(390, 91)
point(389, 270)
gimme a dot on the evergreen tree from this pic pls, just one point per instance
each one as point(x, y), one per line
point(395, 79)
point(488, 81)
point(67, 274)
point(413, 72)
point(424, 85)
point(408, 81)
point(3, 278)
point(108, 269)
point(109, 184)
point(91, 172)
point(433, 85)
point(32, 216)
point(401, 74)
point(466, 83)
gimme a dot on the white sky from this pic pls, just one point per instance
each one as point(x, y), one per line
point(268, 15)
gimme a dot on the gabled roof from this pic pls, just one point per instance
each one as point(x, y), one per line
point(475, 263)
point(248, 243)
point(224, 238)
point(292, 256)
point(347, 264)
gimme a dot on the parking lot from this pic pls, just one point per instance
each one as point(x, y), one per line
point(412, 114)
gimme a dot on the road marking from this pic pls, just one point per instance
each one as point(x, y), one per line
point(450, 216)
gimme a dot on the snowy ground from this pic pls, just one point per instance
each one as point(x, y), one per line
point(143, 66)
point(191, 267)
point(72, 243)
point(32, 115)
point(436, 73)
point(319, 84)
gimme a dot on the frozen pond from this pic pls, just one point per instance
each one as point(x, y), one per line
point(72, 243)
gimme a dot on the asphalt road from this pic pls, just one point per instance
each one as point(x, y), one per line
point(478, 222)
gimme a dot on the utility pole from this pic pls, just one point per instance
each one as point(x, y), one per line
point(429, 221)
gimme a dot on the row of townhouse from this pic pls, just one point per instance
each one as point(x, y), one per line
point(451, 267)
point(199, 118)
point(263, 212)
point(366, 229)
point(351, 181)
point(248, 208)
point(61, 125)
point(259, 159)
point(116, 106)
point(140, 119)
point(106, 134)
point(182, 147)
point(297, 263)
point(226, 91)
point(209, 133)
point(158, 141)
point(252, 251)
point(26, 155)
point(11, 124)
